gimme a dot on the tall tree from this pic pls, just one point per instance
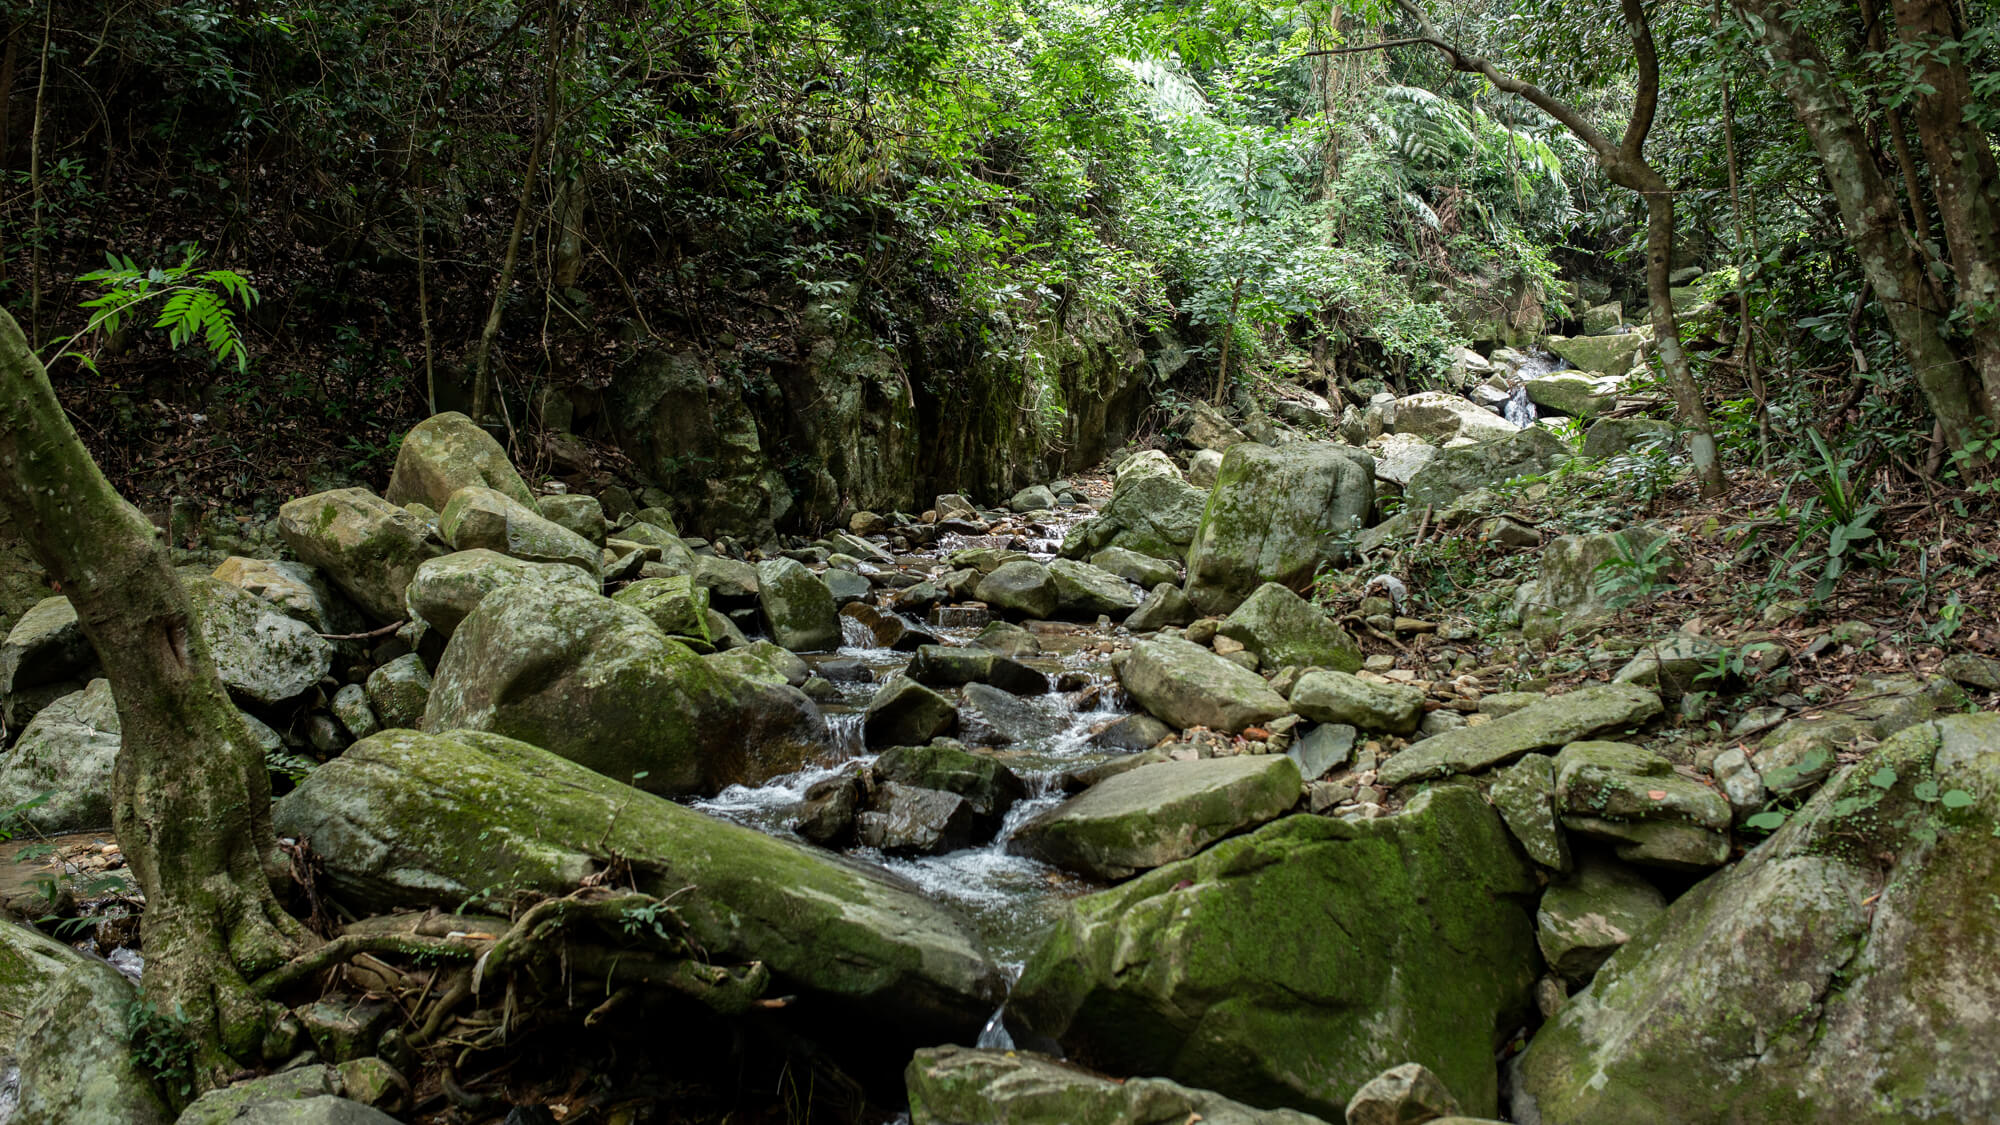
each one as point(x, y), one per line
point(191, 797)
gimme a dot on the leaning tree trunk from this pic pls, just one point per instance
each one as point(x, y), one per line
point(191, 798)
point(1667, 326)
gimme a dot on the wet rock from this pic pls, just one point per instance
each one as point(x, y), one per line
point(906, 820)
point(1590, 915)
point(1152, 511)
point(989, 716)
point(1008, 640)
point(1283, 628)
point(1157, 814)
point(1524, 793)
point(1021, 588)
point(1437, 417)
point(1326, 696)
point(826, 816)
point(263, 656)
point(1404, 1095)
point(1844, 937)
point(1189, 686)
point(952, 666)
point(1220, 970)
point(76, 1054)
point(1323, 749)
point(889, 629)
point(1143, 570)
point(1165, 605)
point(445, 589)
point(906, 713)
point(369, 547)
point(1276, 515)
point(45, 646)
point(483, 517)
point(796, 607)
point(847, 587)
point(597, 682)
point(399, 691)
point(1455, 472)
point(676, 605)
point(1556, 720)
point(1133, 732)
point(448, 452)
point(405, 818)
point(989, 788)
point(961, 1085)
point(1083, 590)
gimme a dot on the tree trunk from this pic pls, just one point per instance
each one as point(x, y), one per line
point(1870, 213)
point(191, 799)
point(1667, 327)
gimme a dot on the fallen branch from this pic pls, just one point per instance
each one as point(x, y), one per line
point(368, 636)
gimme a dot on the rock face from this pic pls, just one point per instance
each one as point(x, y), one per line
point(1839, 972)
point(1557, 720)
point(484, 517)
point(1273, 517)
point(447, 452)
point(1152, 511)
point(1189, 686)
point(368, 546)
point(1283, 628)
point(967, 1086)
point(1455, 472)
point(1292, 965)
point(447, 588)
point(75, 1048)
point(67, 751)
point(597, 682)
point(406, 818)
point(29, 963)
point(264, 656)
point(796, 607)
point(1154, 815)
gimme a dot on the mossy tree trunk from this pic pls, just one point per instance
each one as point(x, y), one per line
point(191, 798)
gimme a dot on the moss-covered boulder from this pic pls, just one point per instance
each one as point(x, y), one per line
point(294, 588)
point(77, 1055)
point(445, 589)
point(1152, 511)
point(45, 646)
point(1524, 795)
point(1151, 816)
point(1326, 696)
point(30, 961)
point(1289, 966)
point(263, 655)
point(368, 546)
point(1436, 417)
point(969, 1086)
point(796, 607)
point(1466, 469)
point(1557, 720)
point(989, 788)
point(1021, 588)
point(579, 513)
point(1847, 969)
point(1142, 570)
point(676, 605)
point(1568, 594)
point(598, 683)
point(399, 691)
point(447, 452)
point(1607, 355)
point(1612, 437)
point(1083, 590)
point(406, 818)
point(1579, 396)
point(67, 752)
point(942, 666)
point(1190, 686)
point(1276, 515)
point(1283, 628)
point(485, 517)
point(1619, 781)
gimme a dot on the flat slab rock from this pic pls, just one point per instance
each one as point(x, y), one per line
point(951, 1085)
point(1157, 814)
point(1556, 721)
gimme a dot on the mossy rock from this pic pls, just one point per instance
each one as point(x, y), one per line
point(1151, 816)
point(1557, 720)
point(445, 589)
point(447, 452)
point(1190, 686)
point(957, 1085)
point(1277, 515)
point(1283, 629)
point(483, 517)
point(1152, 512)
point(368, 546)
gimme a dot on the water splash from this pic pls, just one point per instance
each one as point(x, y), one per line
point(1519, 408)
point(994, 1035)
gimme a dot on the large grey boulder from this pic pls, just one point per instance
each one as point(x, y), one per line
point(969, 1086)
point(1083, 590)
point(1440, 416)
point(597, 682)
point(1612, 437)
point(30, 961)
point(796, 607)
point(577, 512)
point(1468, 468)
point(1276, 515)
point(323, 1109)
point(1151, 816)
point(1612, 354)
point(943, 666)
point(1404, 1095)
point(406, 818)
point(45, 646)
point(1283, 628)
point(447, 452)
point(676, 605)
point(1524, 795)
point(1021, 588)
point(1190, 686)
point(1152, 511)
point(445, 589)
point(1164, 605)
point(1557, 720)
point(1847, 969)
point(76, 1056)
point(67, 751)
point(1326, 696)
point(1142, 570)
point(1291, 965)
point(989, 788)
point(264, 656)
point(368, 546)
point(484, 517)
point(294, 588)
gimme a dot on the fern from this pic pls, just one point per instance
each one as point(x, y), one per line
point(194, 306)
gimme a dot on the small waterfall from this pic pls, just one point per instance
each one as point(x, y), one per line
point(994, 1035)
point(1519, 408)
point(843, 733)
point(853, 634)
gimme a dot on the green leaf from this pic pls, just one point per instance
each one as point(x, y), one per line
point(1958, 799)
point(1770, 820)
point(1925, 791)
point(1884, 778)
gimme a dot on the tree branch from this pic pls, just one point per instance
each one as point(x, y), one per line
point(1568, 115)
point(1646, 102)
point(1384, 45)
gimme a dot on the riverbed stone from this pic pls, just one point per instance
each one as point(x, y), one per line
point(1283, 628)
point(988, 786)
point(1152, 511)
point(1436, 417)
point(1846, 938)
point(264, 656)
point(676, 605)
point(847, 587)
point(1083, 590)
point(1165, 605)
point(1291, 965)
point(447, 452)
point(445, 589)
point(46, 645)
point(1034, 498)
point(1022, 588)
point(1404, 1095)
point(1579, 396)
point(970, 1086)
point(597, 682)
point(1524, 793)
point(485, 517)
point(905, 820)
point(1008, 639)
point(904, 712)
point(762, 661)
point(796, 607)
point(405, 818)
point(1324, 748)
point(1154, 815)
point(1137, 732)
point(1589, 915)
point(888, 628)
point(1465, 469)
point(1327, 696)
point(1277, 515)
point(990, 716)
point(369, 547)
point(76, 1056)
point(1190, 686)
point(399, 691)
point(954, 665)
point(1557, 720)
point(1143, 570)
point(1612, 354)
